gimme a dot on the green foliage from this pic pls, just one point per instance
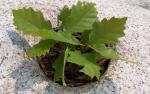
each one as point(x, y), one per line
point(64, 14)
point(81, 18)
point(85, 37)
point(107, 31)
point(104, 51)
point(40, 48)
point(30, 21)
point(59, 66)
point(88, 61)
point(62, 37)
point(96, 36)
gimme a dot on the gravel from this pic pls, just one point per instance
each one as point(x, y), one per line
point(20, 75)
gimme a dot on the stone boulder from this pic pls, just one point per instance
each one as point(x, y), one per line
point(20, 75)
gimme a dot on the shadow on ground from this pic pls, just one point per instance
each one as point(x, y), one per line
point(28, 73)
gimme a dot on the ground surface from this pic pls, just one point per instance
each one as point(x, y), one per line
point(19, 75)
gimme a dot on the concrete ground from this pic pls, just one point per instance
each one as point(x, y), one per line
point(19, 75)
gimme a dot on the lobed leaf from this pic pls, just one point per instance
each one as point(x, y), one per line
point(41, 48)
point(65, 12)
point(107, 31)
point(106, 52)
point(29, 21)
point(85, 37)
point(63, 37)
point(81, 18)
point(88, 61)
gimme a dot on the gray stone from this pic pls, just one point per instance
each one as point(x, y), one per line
point(19, 75)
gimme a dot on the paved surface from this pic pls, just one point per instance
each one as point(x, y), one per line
point(19, 75)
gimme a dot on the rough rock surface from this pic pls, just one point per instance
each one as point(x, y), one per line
point(19, 75)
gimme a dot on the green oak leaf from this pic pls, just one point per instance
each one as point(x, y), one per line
point(28, 20)
point(64, 14)
point(63, 37)
point(104, 51)
point(81, 18)
point(107, 31)
point(88, 61)
point(41, 48)
point(59, 66)
point(57, 36)
point(85, 37)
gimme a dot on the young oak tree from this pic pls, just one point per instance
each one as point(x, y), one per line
point(80, 18)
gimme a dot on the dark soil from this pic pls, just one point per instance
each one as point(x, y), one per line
point(72, 75)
